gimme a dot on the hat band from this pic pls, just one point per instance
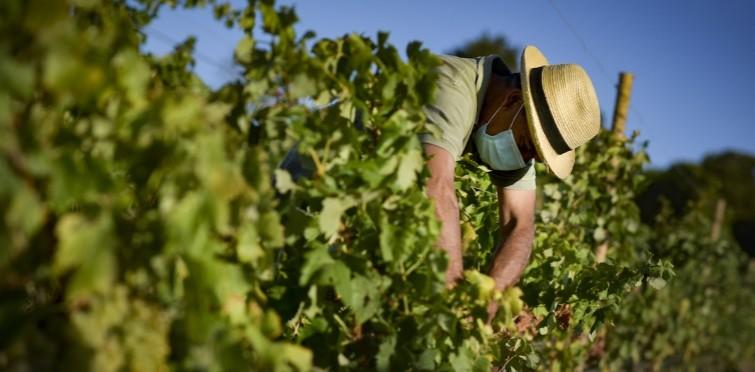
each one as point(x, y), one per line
point(543, 112)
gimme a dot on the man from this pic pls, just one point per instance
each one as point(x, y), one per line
point(508, 121)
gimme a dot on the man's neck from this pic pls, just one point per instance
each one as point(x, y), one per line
point(494, 93)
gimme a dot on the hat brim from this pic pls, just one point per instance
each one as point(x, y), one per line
point(560, 165)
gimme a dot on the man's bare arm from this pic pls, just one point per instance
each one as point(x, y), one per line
point(517, 218)
point(441, 189)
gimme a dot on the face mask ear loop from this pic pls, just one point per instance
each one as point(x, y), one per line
point(495, 113)
point(515, 116)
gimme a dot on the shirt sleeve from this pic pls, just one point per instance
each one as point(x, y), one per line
point(520, 179)
point(451, 113)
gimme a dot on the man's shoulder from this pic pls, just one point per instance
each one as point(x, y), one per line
point(456, 60)
point(456, 102)
point(456, 70)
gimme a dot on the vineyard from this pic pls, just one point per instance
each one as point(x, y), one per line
point(148, 225)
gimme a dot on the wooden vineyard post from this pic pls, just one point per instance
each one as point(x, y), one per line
point(718, 219)
point(618, 126)
point(621, 111)
point(601, 252)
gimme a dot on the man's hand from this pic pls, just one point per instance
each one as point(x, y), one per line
point(517, 218)
point(441, 189)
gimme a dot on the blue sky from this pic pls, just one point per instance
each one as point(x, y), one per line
point(694, 88)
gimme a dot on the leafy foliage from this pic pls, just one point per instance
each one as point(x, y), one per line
point(728, 176)
point(702, 318)
point(147, 225)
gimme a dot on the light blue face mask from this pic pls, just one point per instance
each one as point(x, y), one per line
point(499, 151)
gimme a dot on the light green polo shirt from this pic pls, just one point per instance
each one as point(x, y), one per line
point(460, 91)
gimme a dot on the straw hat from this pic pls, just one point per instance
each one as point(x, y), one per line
point(562, 109)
